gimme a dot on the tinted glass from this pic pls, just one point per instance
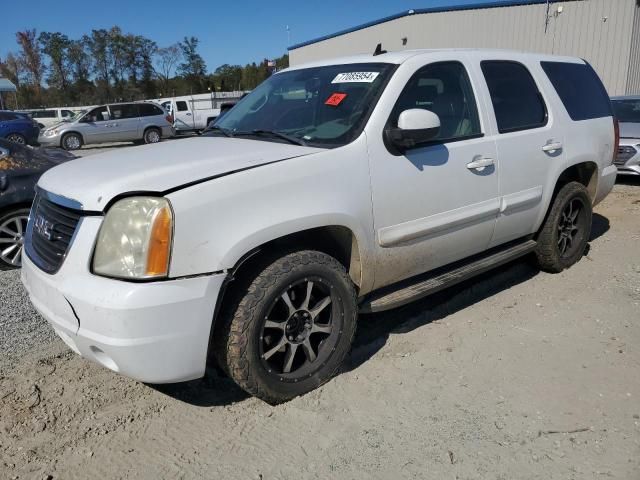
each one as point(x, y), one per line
point(44, 114)
point(444, 89)
point(324, 106)
point(67, 113)
point(516, 99)
point(627, 110)
point(182, 106)
point(149, 110)
point(579, 88)
point(124, 111)
point(10, 116)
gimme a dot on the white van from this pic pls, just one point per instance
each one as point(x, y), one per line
point(344, 186)
point(51, 116)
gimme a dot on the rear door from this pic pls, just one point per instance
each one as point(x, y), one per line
point(124, 124)
point(529, 142)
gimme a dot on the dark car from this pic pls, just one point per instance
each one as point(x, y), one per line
point(18, 128)
point(20, 169)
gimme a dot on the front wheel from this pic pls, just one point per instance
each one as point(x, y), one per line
point(566, 230)
point(291, 329)
point(71, 141)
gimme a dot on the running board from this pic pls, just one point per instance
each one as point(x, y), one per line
point(413, 289)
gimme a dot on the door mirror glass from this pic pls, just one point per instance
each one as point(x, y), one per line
point(415, 126)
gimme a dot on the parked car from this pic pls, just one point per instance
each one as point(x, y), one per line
point(189, 115)
point(119, 122)
point(628, 158)
point(20, 169)
point(627, 111)
point(18, 128)
point(353, 185)
point(50, 116)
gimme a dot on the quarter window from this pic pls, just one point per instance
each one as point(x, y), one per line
point(580, 89)
point(517, 102)
point(443, 88)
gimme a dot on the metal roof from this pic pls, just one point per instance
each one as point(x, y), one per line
point(6, 85)
point(418, 11)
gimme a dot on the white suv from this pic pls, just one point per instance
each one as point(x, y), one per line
point(352, 185)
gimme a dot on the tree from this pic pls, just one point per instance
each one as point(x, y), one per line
point(98, 44)
point(31, 60)
point(193, 69)
point(166, 60)
point(56, 47)
point(229, 77)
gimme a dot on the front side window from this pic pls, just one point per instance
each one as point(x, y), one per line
point(66, 113)
point(124, 111)
point(99, 114)
point(443, 88)
point(516, 100)
point(182, 106)
point(627, 111)
point(324, 106)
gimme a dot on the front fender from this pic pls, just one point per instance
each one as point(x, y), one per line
point(218, 222)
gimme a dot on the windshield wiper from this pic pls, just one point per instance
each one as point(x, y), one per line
point(274, 133)
point(224, 131)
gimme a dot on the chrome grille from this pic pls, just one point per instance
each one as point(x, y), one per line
point(49, 232)
point(625, 152)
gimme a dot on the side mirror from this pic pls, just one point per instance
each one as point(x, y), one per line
point(415, 126)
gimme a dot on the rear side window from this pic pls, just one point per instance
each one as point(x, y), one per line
point(9, 116)
point(120, 112)
point(149, 110)
point(182, 106)
point(516, 100)
point(579, 88)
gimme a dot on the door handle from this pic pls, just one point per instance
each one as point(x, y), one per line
point(552, 147)
point(480, 164)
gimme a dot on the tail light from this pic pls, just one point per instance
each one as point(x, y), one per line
point(169, 118)
point(616, 136)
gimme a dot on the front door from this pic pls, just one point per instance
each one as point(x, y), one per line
point(435, 203)
point(183, 116)
point(93, 126)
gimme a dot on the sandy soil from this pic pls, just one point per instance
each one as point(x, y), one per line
point(516, 375)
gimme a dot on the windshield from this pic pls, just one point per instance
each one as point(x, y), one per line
point(322, 106)
point(627, 111)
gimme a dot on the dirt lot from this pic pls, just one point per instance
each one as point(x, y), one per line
point(517, 375)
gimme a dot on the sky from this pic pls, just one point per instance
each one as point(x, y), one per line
point(244, 32)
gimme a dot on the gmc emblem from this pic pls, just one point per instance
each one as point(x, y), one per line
point(43, 227)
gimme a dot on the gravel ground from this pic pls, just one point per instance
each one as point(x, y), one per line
point(517, 374)
point(21, 328)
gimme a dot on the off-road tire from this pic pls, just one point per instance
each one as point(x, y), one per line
point(237, 337)
point(547, 252)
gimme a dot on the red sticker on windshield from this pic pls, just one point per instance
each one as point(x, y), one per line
point(335, 99)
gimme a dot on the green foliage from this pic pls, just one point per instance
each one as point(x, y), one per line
point(51, 69)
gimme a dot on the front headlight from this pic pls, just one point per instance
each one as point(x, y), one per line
point(50, 133)
point(134, 241)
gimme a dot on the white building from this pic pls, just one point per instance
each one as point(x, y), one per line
point(606, 33)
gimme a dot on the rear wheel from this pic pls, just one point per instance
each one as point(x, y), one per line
point(290, 329)
point(565, 233)
point(13, 226)
point(71, 141)
point(152, 135)
point(17, 138)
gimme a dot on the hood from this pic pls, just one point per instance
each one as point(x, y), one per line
point(94, 181)
point(629, 130)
